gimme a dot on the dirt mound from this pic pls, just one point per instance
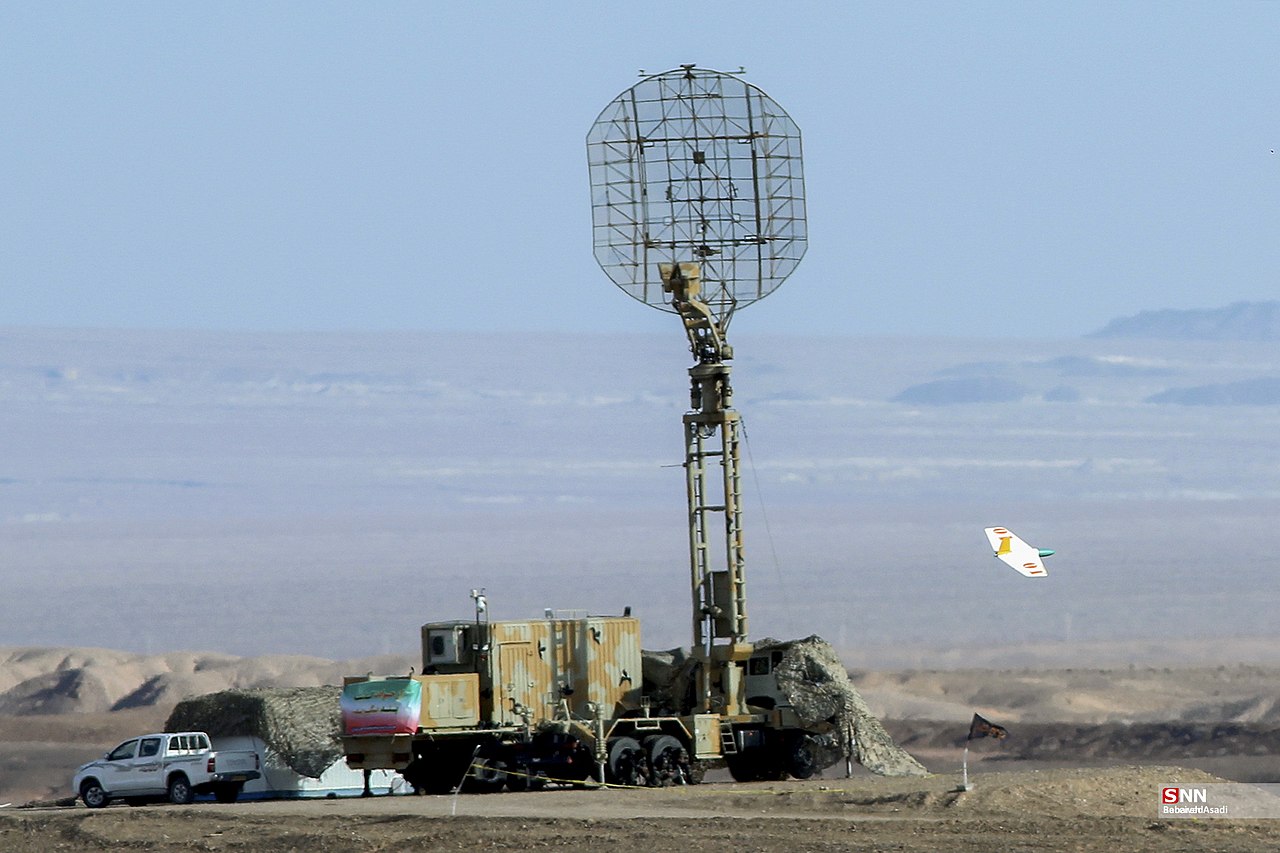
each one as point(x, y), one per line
point(301, 724)
point(1063, 793)
point(1083, 792)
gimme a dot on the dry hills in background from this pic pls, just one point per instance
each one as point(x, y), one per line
point(61, 706)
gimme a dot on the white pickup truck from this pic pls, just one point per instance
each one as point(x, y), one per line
point(170, 765)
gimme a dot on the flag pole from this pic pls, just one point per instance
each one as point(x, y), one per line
point(979, 728)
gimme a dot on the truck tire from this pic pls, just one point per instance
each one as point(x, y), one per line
point(180, 792)
point(803, 761)
point(93, 795)
point(666, 759)
point(628, 764)
point(227, 792)
point(487, 776)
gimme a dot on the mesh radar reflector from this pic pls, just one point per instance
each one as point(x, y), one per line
point(697, 166)
point(697, 200)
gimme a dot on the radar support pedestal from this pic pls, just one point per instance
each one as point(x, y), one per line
point(711, 440)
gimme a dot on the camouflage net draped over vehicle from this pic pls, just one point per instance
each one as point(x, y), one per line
point(302, 725)
point(817, 685)
point(813, 678)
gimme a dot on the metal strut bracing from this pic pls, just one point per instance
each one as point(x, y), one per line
point(712, 428)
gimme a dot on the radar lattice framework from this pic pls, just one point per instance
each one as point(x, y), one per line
point(697, 166)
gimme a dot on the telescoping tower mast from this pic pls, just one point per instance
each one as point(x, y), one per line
point(697, 197)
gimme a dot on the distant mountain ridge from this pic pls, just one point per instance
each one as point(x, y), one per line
point(1240, 321)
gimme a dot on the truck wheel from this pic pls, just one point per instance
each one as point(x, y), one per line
point(802, 763)
point(228, 792)
point(627, 762)
point(488, 775)
point(93, 795)
point(666, 755)
point(180, 792)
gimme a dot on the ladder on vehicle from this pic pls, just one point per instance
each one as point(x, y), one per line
point(728, 742)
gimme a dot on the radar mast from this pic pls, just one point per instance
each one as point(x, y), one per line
point(697, 196)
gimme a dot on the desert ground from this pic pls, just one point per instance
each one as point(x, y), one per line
point(1063, 809)
point(1087, 752)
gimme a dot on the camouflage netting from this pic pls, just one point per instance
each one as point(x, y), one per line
point(300, 724)
point(667, 681)
point(812, 677)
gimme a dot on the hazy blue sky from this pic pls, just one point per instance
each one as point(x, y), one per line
point(971, 169)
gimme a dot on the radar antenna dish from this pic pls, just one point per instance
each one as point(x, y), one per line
point(697, 166)
point(697, 207)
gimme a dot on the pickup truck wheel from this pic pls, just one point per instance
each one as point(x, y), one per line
point(228, 792)
point(93, 795)
point(180, 792)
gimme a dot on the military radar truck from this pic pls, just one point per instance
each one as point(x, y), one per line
point(561, 697)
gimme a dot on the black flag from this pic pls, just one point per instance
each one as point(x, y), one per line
point(985, 728)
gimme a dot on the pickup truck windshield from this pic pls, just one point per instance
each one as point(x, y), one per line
point(123, 751)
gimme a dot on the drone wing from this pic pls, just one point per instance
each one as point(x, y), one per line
point(1018, 554)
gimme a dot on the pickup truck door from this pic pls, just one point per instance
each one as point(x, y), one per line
point(146, 767)
point(117, 768)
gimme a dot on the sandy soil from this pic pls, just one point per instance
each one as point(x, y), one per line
point(1062, 809)
point(1086, 782)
